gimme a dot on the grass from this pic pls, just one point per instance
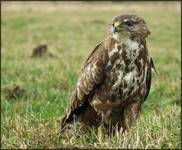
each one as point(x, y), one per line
point(31, 120)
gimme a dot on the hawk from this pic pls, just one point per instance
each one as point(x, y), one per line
point(115, 80)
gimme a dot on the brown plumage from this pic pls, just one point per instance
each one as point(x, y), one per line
point(115, 79)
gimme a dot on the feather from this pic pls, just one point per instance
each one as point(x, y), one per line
point(92, 74)
point(153, 67)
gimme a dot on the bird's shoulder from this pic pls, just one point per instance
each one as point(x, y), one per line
point(101, 52)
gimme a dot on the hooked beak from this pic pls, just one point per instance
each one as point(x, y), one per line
point(117, 27)
point(116, 30)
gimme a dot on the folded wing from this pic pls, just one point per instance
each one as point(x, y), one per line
point(92, 74)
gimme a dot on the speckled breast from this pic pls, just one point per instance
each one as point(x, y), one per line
point(125, 74)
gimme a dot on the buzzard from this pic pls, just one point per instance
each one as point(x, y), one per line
point(115, 80)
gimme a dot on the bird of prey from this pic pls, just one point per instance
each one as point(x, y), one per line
point(115, 79)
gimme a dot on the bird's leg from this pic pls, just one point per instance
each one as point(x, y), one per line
point(130, 114)
point(101, 128)
point(103, 125)
point(110, 122)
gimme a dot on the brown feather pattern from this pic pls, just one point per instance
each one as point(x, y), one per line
point(91, 74)
point(114, 81)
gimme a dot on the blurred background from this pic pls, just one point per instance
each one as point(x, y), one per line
point(44, 45)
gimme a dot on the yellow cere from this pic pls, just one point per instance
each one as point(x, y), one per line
point(117, 24)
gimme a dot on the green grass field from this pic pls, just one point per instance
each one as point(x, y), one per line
point(31, 118)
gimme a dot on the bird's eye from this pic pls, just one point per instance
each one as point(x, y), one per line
point(129, 23)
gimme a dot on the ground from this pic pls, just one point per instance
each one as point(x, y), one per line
point(35, 91)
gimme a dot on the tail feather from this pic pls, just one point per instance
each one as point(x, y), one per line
point(153, 67)
point(77, 107)
point(68, 116)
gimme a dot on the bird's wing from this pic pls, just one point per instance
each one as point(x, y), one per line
point(149, 76)
point(92, 74)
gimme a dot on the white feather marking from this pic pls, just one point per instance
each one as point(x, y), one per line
point(119, 80)
point(142, 90)
point(129, 77)
point(131, 45)
point(114, 50)
point(96, 102)
point(116, 35)
point(141, 62)
point(89, 68)
point(141, 46)
point(78, 93)
point(93, 71)
point(125, 20)
point(118, 61)
point(108, 113)
point(78, 83)
point(109, 63)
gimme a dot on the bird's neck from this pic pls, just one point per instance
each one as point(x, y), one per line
point(128, 42)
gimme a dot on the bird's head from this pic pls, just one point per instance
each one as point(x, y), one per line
point(129, 26)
